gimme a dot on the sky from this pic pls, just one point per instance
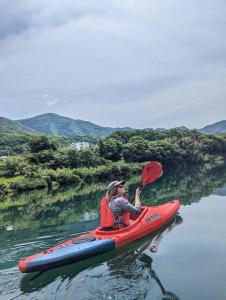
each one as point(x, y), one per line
point(115, 63)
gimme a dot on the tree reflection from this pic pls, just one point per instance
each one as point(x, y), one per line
point(70, 205)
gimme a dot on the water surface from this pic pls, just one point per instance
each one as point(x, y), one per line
point(189, 263)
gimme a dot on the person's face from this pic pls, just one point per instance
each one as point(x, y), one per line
point(121, 190)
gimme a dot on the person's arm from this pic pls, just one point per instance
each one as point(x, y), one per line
point(126, 206)
point(137, 197)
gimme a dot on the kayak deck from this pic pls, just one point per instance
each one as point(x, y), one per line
point(65, 254)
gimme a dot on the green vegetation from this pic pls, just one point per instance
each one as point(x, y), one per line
point(58, 125)
point(35, 209)
point(48, 163)
point(7, 125)
point(13, 143)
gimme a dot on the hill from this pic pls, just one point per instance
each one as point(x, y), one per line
point(7, 125)
point(215, 128)
point(54, 124)
point(180, 128)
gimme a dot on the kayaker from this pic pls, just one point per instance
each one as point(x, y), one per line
point(119, 204)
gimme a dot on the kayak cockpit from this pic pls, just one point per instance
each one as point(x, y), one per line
point(134, 221)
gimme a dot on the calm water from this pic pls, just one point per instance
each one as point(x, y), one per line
point(190, 262)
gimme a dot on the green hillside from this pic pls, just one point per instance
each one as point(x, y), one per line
point(7, 125)
point(215, 128)
point(54, 124)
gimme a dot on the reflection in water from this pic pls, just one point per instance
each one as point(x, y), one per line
point(66, 206)
point(125, 272)
point(38, 209)
point(41, 219)
point(44, 208)
point(158, 238)
point(9, 228)
point(134, 268)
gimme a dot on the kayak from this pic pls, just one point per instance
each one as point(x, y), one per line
point(101, 239)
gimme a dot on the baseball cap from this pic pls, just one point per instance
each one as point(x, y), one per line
point(114, 184)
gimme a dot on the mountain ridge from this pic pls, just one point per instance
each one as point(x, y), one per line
point(215, 128)
point(7, 125)
point(57, 125)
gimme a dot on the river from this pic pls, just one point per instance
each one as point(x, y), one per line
point(190, 262)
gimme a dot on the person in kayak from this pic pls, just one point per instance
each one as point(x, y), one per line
point(119, 204)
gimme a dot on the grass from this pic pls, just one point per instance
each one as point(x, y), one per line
point(10, 180)
point(7, 204)
point(5, 185)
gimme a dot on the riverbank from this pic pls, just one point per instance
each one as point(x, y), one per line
point(53, 179)
point(120, 155)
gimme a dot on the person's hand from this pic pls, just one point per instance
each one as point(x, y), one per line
point(138, 192)
point(154, 248)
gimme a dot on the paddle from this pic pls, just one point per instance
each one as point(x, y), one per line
point(151, 172)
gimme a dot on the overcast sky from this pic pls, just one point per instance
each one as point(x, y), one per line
point(140, 63)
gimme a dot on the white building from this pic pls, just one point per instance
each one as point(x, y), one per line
point(80, 145)
point(88, 216)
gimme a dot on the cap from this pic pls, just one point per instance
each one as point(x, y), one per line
point(114, 184)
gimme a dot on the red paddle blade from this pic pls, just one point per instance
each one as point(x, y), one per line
point(151, 172)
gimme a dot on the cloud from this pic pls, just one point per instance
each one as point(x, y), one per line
point(115, 63)
point(53, 102)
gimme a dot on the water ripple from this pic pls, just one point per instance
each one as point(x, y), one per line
point(126, 276)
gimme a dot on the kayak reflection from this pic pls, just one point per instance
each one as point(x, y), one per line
point(136, 267)
point(158, 238)
point(127, 271)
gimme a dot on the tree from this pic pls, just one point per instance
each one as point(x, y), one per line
point(13, 166)
point(165, 151)
point(135, 150)
point(88, 157)
point(41, 143)
point(111, 149)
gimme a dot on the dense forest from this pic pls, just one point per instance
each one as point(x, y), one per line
point(13, 143)
point(50, 162)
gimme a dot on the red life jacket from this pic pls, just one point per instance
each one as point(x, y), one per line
point(107, 218)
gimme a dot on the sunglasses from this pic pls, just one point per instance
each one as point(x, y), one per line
point(121, 186)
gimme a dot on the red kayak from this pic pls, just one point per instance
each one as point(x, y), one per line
point(101, 239)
